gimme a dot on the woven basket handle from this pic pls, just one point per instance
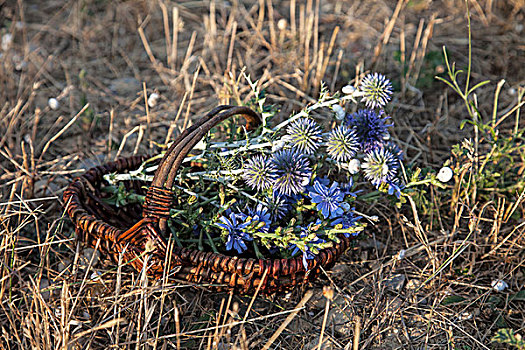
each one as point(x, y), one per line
point(160, 195)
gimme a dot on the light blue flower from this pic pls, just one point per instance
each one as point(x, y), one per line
point(235, 225)
point(306, 249)
point(261, 214)
point(328, 200)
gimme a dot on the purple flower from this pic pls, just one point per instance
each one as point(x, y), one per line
point(235, 225)
point(304, 135)
point(376, 89)
point(328, 200)
point(342, 144)
point(370, 127)
point(259, 173)
point(293, 171)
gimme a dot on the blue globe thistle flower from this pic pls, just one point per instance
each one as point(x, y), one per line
point(304, 135)
point(370, 127)
point(236, 225)
point(308, 254)
point(395, 150)
point(342, 144)
point(261, 214)
point(347, 220)
point(328, 200)
point(380, 166)
point(376, 89)
point(293, 172)
point(259, 173)
point(277, 206)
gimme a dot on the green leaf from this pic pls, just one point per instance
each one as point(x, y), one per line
point(452, 299)
point(478, 86)
point(519, 296)
point(448, 83)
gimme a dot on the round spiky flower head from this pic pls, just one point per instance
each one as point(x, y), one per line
point(395, 150)
point(293, 172)
point(342, 143)
point(376, 90)
point(259, 173)
point(380, 166)
point(370, 127)
point(304, 134)
point(277, 206)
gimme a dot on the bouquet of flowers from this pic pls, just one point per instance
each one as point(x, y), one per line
point(285, 190)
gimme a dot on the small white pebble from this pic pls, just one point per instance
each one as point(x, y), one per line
point(512, 91)
point(499, 285)
point(7, 39)
point(281, 24)
point(152, 99)
point(401, 255)
point(465, 316)
point(445, 174)
point(354, 166)
point(95, 276)
point(53, 103)
point(348, 89)
point(339, 112)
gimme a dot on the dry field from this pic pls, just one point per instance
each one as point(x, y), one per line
point(101, 60)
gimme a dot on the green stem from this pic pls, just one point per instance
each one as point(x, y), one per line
point(257, 251)
point(212, 244)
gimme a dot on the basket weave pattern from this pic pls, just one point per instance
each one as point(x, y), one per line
point(136, 236)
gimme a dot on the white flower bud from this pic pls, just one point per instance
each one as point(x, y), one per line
point(445, 174)
point(281, 24)
point(348, 89)
point(354, 166)
point(339, 112)
point(499, 285)
point(152, 100)
point(53, 103)
point(7, 39)
point(277, 145)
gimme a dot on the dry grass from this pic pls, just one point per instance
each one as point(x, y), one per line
point(101, 60)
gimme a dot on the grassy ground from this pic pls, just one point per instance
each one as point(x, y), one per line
point(104, 58)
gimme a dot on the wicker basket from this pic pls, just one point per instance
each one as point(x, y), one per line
point(136, 235)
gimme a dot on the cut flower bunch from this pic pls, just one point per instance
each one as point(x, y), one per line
point(285, 190)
